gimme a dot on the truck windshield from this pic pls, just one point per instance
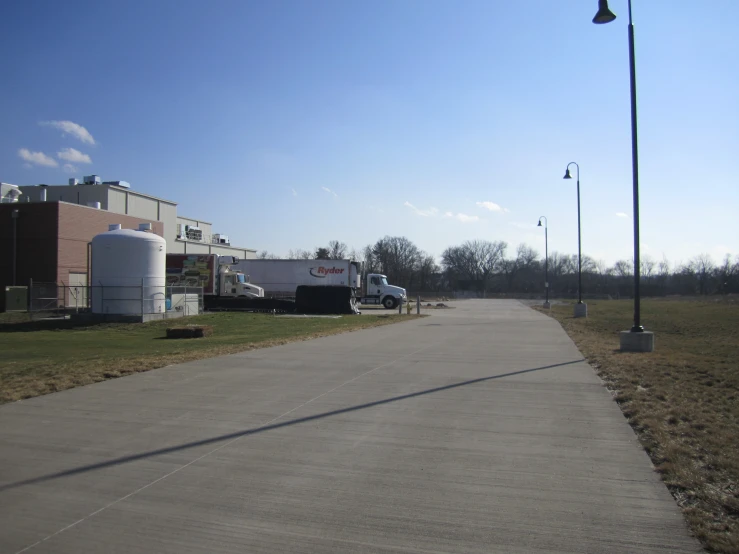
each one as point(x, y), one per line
point(384, 280)
point(240, 278)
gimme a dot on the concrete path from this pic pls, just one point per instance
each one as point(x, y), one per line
point(479, 429)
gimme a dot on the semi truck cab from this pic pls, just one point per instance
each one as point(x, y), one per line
point(234, 283)
point(380, 292)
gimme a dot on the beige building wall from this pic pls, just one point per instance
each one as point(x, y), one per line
point(142, 206)
point(132, 203)
point(116, 201)
point(168, 216)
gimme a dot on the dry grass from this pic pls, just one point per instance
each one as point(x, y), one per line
point(682, 400)
point(47, 356)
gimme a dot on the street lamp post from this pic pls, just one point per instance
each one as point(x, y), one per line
point(581, 309)
point(547, 305)
point(14, 216)
point(636, 340)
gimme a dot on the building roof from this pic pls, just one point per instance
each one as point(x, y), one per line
point(108, 185)
point(194, 219)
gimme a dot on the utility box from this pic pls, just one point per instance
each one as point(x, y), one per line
point(16, 299)
point(187, 304)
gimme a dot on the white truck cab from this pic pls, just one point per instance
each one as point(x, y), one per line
point(234, 283)
point(378, 291)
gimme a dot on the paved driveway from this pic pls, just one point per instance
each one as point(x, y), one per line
point(478, 429)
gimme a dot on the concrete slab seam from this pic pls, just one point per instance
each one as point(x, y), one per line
point(129, 495)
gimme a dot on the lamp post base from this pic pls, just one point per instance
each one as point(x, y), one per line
point(637, 342)
point(547, 305)
point(581, 310)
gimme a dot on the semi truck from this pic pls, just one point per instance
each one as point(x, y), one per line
point(282, 278)
point(215, 274)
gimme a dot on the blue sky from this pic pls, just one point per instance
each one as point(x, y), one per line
point(292, 123)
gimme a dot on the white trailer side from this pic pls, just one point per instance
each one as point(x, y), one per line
point(283, 277)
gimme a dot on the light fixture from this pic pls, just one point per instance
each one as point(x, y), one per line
point(604, 15)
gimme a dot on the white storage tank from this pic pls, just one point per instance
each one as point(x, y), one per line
point(128, 272)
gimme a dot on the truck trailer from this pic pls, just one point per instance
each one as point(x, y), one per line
point(215, 274)
point(282, 278)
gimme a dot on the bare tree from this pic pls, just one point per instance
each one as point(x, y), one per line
point(558, 264)
point(727, 275)
point(703, 267)
point(647, 264)
point(525, 258)
point(663, 269)
point(475, 260)
point(396, 257)
point(370, 261)
point(265, 255)
point(588, 264)
point(299, 254)
point(337, 250)
point(356, 255)
point(624, 268)
point(428, 271)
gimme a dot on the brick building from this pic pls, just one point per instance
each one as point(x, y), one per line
point(184, 235)
point(48, 241)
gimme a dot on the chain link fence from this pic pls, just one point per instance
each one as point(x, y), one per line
point(58, 299)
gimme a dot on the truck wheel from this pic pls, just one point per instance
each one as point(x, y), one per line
point(389, 302)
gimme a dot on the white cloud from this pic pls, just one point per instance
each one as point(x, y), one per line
point(464, 218)
point(295, 192)
point(71, 128)
point(72, 155)
point(492, 206)
point(622, 214)
point(69, 168)
point(328, 190)
point(431, 212)
point(37, 158)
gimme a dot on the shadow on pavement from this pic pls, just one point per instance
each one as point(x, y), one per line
point(262, 429)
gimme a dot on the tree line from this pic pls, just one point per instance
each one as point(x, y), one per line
point(481, 267)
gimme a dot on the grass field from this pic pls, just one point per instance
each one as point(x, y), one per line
point(682, 400)
point(47, 356)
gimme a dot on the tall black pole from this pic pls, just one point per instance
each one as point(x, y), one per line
point(579, 243)
point(637, 328)
point(546, 256)
point(579, 234)
point(14, 216)
point(546, 261)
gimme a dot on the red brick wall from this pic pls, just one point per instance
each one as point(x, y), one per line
point(36, 245)
point(77, 226)
point(52, 240)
